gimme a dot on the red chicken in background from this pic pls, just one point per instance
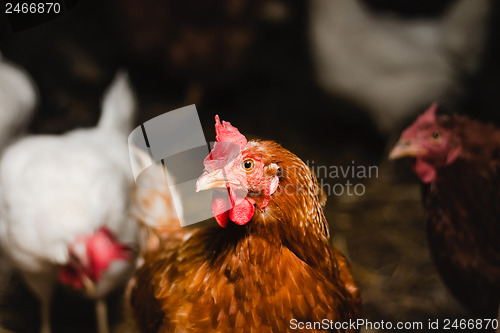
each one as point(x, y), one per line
point(458, 161)
point(269, 263)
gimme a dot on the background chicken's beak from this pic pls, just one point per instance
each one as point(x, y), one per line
point(215, 179)
point(405, 149)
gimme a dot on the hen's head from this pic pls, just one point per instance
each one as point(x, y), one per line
point(243, 175)
point(432, 141)
point(90, 257)
point(263, 183)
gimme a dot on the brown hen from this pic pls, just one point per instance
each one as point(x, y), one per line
point(458, 161)
point(269, 261)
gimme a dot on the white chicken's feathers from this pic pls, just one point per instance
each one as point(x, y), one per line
point(118, 106)
point(393, 66)
point(66, 187)
point(55, 187)
point(18, 96)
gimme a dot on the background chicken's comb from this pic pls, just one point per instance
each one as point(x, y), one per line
point(430, 114)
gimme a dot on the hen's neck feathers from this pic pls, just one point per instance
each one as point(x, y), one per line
point(480, 142)
point(294, 217)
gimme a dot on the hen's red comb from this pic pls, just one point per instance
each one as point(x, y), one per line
point(230, 142)
point(225, 132)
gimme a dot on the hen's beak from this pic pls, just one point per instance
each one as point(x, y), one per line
point(406, 148)
point(215, 179)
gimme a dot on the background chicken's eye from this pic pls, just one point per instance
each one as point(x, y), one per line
point(436, 135)
point(248, 165)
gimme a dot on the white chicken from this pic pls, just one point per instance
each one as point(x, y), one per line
point(19, 96)
point(65, 207)
point(394, 66)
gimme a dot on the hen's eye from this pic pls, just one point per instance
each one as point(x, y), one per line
point(248, 165)
point(436, 135)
